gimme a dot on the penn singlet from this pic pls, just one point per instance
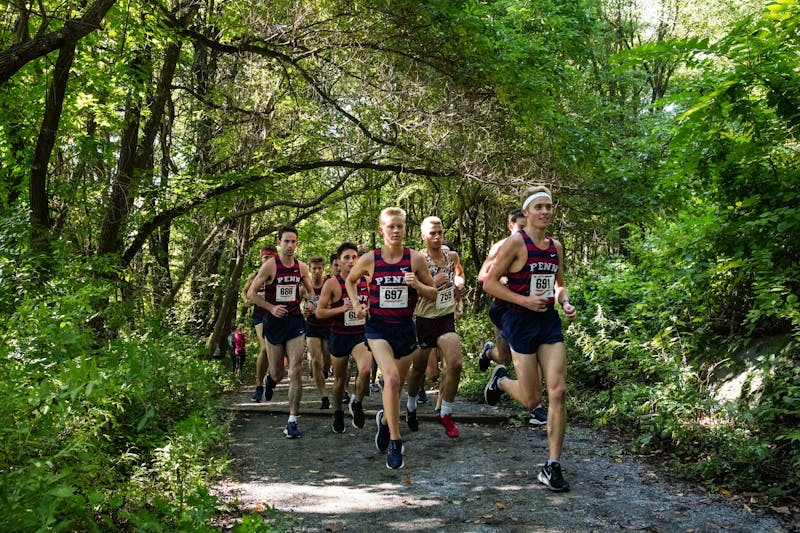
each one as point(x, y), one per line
point(391, 301)
point(258, 311)
point(348, 323)
point(539, 273)
point(285, 288)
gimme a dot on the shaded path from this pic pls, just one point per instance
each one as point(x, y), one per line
point(483, 481)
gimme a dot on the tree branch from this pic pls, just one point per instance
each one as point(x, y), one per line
point(73, 30)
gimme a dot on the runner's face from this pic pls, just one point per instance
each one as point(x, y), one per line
point(433, 235)
point(348, 260)
point(335, 267)
point(316, 271)
point(393, 229)
point(539, 212)
point(517, 225)
point(288, 244)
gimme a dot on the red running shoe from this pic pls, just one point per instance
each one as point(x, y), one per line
point(449, 427)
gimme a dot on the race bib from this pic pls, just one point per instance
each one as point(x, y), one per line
point(543, 285)
point(394, 297)
point(445, 297)
point(285, 293)
point(351, 319)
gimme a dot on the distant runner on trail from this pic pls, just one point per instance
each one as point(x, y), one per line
point(346, 338)
point(396, 276)
point(532, 262)
point(262, 361)
point(317, 332)
point(284, 326)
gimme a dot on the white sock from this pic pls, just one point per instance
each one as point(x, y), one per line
point(447, 408)
point(411, 404)
point(292, 418)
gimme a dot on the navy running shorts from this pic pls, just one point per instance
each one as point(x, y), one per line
point(526, 330)
point(343, 345)
point(401, 337)
point(279, 331)
point(320, 332)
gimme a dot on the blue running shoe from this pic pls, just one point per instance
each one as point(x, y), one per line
point(538, 417)
point(382, 436)
point(394, 459)
point(291, 431)
point(258, 394)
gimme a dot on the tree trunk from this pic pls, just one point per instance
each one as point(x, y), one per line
point(227, 311)
point(39, 200)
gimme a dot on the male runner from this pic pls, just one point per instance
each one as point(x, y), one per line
point(317, 333)
point(262, 363)
point(532, 262)
point(396, 276)
point(284, 327)
point(347, 337)
point(436, 326)
point(500, 353)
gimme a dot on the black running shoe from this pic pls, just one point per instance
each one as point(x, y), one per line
point(269, 387)
point(357, 412)
point(422, 397)
point(326, 403)
point(412, 421)
point(338, 421)
point(345, 397)
point(382, 436)
point(483, 359)
point(492, 392)
point(552, 477)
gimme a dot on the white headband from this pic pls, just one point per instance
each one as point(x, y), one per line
point(534, 196)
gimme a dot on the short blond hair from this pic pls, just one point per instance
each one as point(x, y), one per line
point(393, 212)
point(430, 221)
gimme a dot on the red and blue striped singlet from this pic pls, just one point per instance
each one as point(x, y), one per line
point(338, 322)
point(539, 272)
point(285, 288)
point(391, 301)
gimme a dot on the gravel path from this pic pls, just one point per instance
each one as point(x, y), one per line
point(483, 481)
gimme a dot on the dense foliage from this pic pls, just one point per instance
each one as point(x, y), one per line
point(147, 148)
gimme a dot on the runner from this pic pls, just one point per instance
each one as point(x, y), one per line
point(284, 326)
point(317, 333)
point(262, 362)
point(436, 326)
point(396, 275)
point(346, 338)
point(500, 353)
point(532, 262)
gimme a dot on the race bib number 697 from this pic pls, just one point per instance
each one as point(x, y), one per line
point(394, 296)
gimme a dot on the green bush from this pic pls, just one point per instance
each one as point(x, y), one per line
point(99, 433)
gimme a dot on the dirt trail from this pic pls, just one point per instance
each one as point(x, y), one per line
point(483, 481)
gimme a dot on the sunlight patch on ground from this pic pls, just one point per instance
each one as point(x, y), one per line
point(329, 499)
